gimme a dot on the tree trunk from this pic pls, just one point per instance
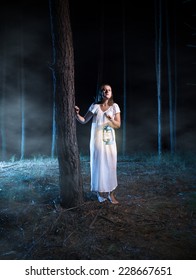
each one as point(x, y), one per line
point(101, 54)
point(170, 85)
point(2, 103)
point(67, 147)
point(22, 95)
point(158, 55)
point(53, 146)
point(124, 85)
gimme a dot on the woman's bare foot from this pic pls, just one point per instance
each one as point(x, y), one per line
point(112, 199)
point(100, 198)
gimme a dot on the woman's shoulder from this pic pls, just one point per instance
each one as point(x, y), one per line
point(93, 106)
point(116, 107)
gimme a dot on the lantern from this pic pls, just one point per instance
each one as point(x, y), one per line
point(108, 135)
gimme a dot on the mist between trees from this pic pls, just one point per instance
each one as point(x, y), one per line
point(156, 96)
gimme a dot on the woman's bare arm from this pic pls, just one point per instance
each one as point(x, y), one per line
point(116, 122)
point(81, 119)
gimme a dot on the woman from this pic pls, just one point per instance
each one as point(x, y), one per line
point(105, 116)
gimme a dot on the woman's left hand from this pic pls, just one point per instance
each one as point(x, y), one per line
point(109, 117)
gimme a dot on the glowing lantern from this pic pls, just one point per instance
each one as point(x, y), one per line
point(108, 135)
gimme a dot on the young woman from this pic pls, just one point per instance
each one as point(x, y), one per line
point(105, 115)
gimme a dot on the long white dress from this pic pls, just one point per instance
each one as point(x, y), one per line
point(103, 155)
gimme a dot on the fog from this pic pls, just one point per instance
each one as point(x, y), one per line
point(26, 56)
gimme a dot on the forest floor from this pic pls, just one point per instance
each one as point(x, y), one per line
point(155, 219)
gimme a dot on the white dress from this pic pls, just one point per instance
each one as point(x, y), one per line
point(103, 155)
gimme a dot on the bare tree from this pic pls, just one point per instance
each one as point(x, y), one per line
point(2, 103)
point(54, 84)
point(22, 94)
point(170, 83)
point(101, 53)
point(67, 148)
point(124, 82)
point(158, 60)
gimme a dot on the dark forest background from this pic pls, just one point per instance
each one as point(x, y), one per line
point(114, 42)
point(146, 51)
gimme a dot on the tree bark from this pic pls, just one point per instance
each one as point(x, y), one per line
point(67, 148)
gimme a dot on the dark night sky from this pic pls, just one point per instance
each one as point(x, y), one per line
point(31, 18)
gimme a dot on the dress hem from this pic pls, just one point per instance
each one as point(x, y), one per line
point(103, 191)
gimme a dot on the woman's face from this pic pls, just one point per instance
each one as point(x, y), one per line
point(106, 92)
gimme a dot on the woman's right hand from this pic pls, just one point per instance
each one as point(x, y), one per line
point(77, 110)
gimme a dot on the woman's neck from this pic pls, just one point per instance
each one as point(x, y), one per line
point(104, 103)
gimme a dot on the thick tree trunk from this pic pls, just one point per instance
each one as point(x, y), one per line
point(67, 147)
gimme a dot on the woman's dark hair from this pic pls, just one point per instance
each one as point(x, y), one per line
point(99, 97)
